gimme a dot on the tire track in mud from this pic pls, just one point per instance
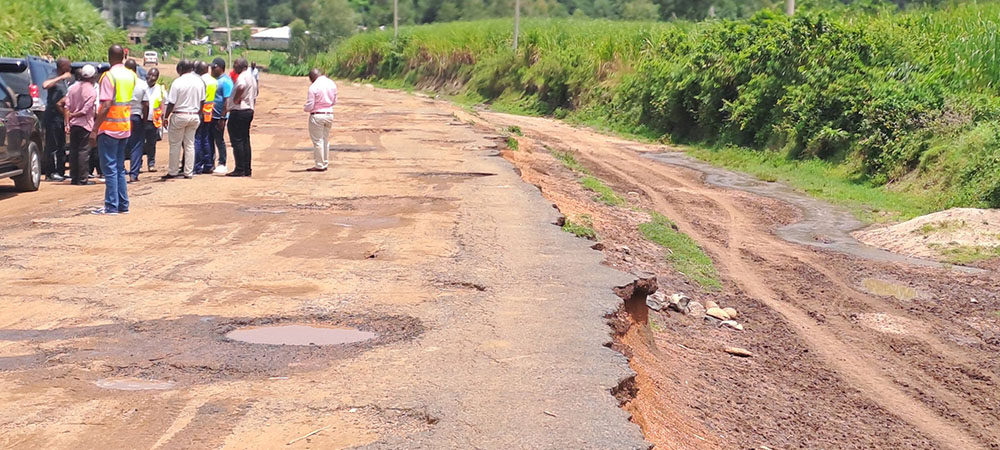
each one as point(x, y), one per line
point(768, 269)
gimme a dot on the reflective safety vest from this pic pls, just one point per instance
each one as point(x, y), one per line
point(123, 81)
point(211, 85)
point(156, 103)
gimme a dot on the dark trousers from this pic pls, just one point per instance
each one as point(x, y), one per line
point(55, 148)
point(239, 135)
point(151, 134)
point(79, 154)
point(219, 139)
point(134, 146)
point(203, 148)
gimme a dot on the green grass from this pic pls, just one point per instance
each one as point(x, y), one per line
point(515, 130)
point(582, 226)
point(683, 252)
point(944, 225)
point(604, 193)
point(965, 254)
point(70, 28)
point(569, 161)
point(512, 143)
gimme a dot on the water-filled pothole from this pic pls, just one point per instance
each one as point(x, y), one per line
point(134, 384)
point(299, 335)
point(889, 289)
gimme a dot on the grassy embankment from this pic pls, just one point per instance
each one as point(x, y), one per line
point(71, 28)
point(893, 115)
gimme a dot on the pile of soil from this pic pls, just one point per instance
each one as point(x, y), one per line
point(928, 236)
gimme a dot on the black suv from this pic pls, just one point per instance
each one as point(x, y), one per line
point(20, 138)
point(25, 76)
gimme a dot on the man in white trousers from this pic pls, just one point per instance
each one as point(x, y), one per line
point(182, 117)
point(319, 104)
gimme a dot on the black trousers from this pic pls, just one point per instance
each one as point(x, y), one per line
point(55, 148)
point(150, 135)
point(79, 154)
point(239, 136)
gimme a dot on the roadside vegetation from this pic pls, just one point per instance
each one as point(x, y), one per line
point(683, 252)
point(898, 109)
point(71, 28)
point(581, 226)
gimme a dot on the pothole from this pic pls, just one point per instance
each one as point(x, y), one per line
point(134, 384)
point(352, 148)
point(193, 350)
point(452, 174)
point(889, 289)
point(299, 335)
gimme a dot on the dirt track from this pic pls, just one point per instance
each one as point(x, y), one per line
point(490, 321)
point(836, 366)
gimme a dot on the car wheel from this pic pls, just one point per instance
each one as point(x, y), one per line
point(31, 178)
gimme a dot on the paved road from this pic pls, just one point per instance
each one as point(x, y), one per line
point(490, 321)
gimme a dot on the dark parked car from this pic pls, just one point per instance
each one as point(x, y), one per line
point(20, 139)
point(25, 76)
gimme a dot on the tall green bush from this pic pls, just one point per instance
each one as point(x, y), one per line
point(70, 28)
point(882, 94)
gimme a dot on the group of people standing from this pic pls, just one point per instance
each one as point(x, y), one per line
point(125, 116)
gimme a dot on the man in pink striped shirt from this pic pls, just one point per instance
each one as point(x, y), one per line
point(319, 104)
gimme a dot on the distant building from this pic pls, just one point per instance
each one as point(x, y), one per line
point(271, 38)
point(137, 34)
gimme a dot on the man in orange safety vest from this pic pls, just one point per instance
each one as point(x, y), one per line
point(112, 128)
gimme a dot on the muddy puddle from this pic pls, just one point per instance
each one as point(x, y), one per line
point(823, 225)
point(299, 335)
point(889, 289)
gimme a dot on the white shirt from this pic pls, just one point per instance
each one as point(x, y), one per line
point(249, 84)
point(187, 93)
point(139, 94)
point(150, 93)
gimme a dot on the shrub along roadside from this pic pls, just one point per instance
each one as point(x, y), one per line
point(70, 28)
point(900, 101)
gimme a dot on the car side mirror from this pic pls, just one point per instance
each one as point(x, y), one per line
point(24, 101)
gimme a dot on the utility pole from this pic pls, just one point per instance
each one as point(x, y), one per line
point(517, 21)
point(121, 13)
point(229, 34)
point(790, 7)
point(395, 20)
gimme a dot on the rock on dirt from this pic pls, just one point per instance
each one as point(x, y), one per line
point(711, 304)
point(737, 351)
point(926, 236)
point(696, 309)
point(731, 324)
point(718, 313)
point(731, 311)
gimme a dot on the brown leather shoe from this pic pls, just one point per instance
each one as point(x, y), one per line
point(315, 169)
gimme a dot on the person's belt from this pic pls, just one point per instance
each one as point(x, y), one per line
point(195, 113)
point(321, 113)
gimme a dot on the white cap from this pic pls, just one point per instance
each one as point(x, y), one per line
point(88, 71)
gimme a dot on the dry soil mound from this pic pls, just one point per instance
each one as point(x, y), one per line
point(937, 235)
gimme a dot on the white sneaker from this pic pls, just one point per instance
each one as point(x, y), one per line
point(220, 169)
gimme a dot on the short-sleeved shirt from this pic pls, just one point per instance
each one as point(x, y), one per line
point(56, 92)
point(139, 94)
point(82, 98)
point(222, 95)
point(151, 94)
point(107, 94)
point(186, 93)
point(249, 84)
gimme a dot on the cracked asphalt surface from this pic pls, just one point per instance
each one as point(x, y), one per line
point(490, 320)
